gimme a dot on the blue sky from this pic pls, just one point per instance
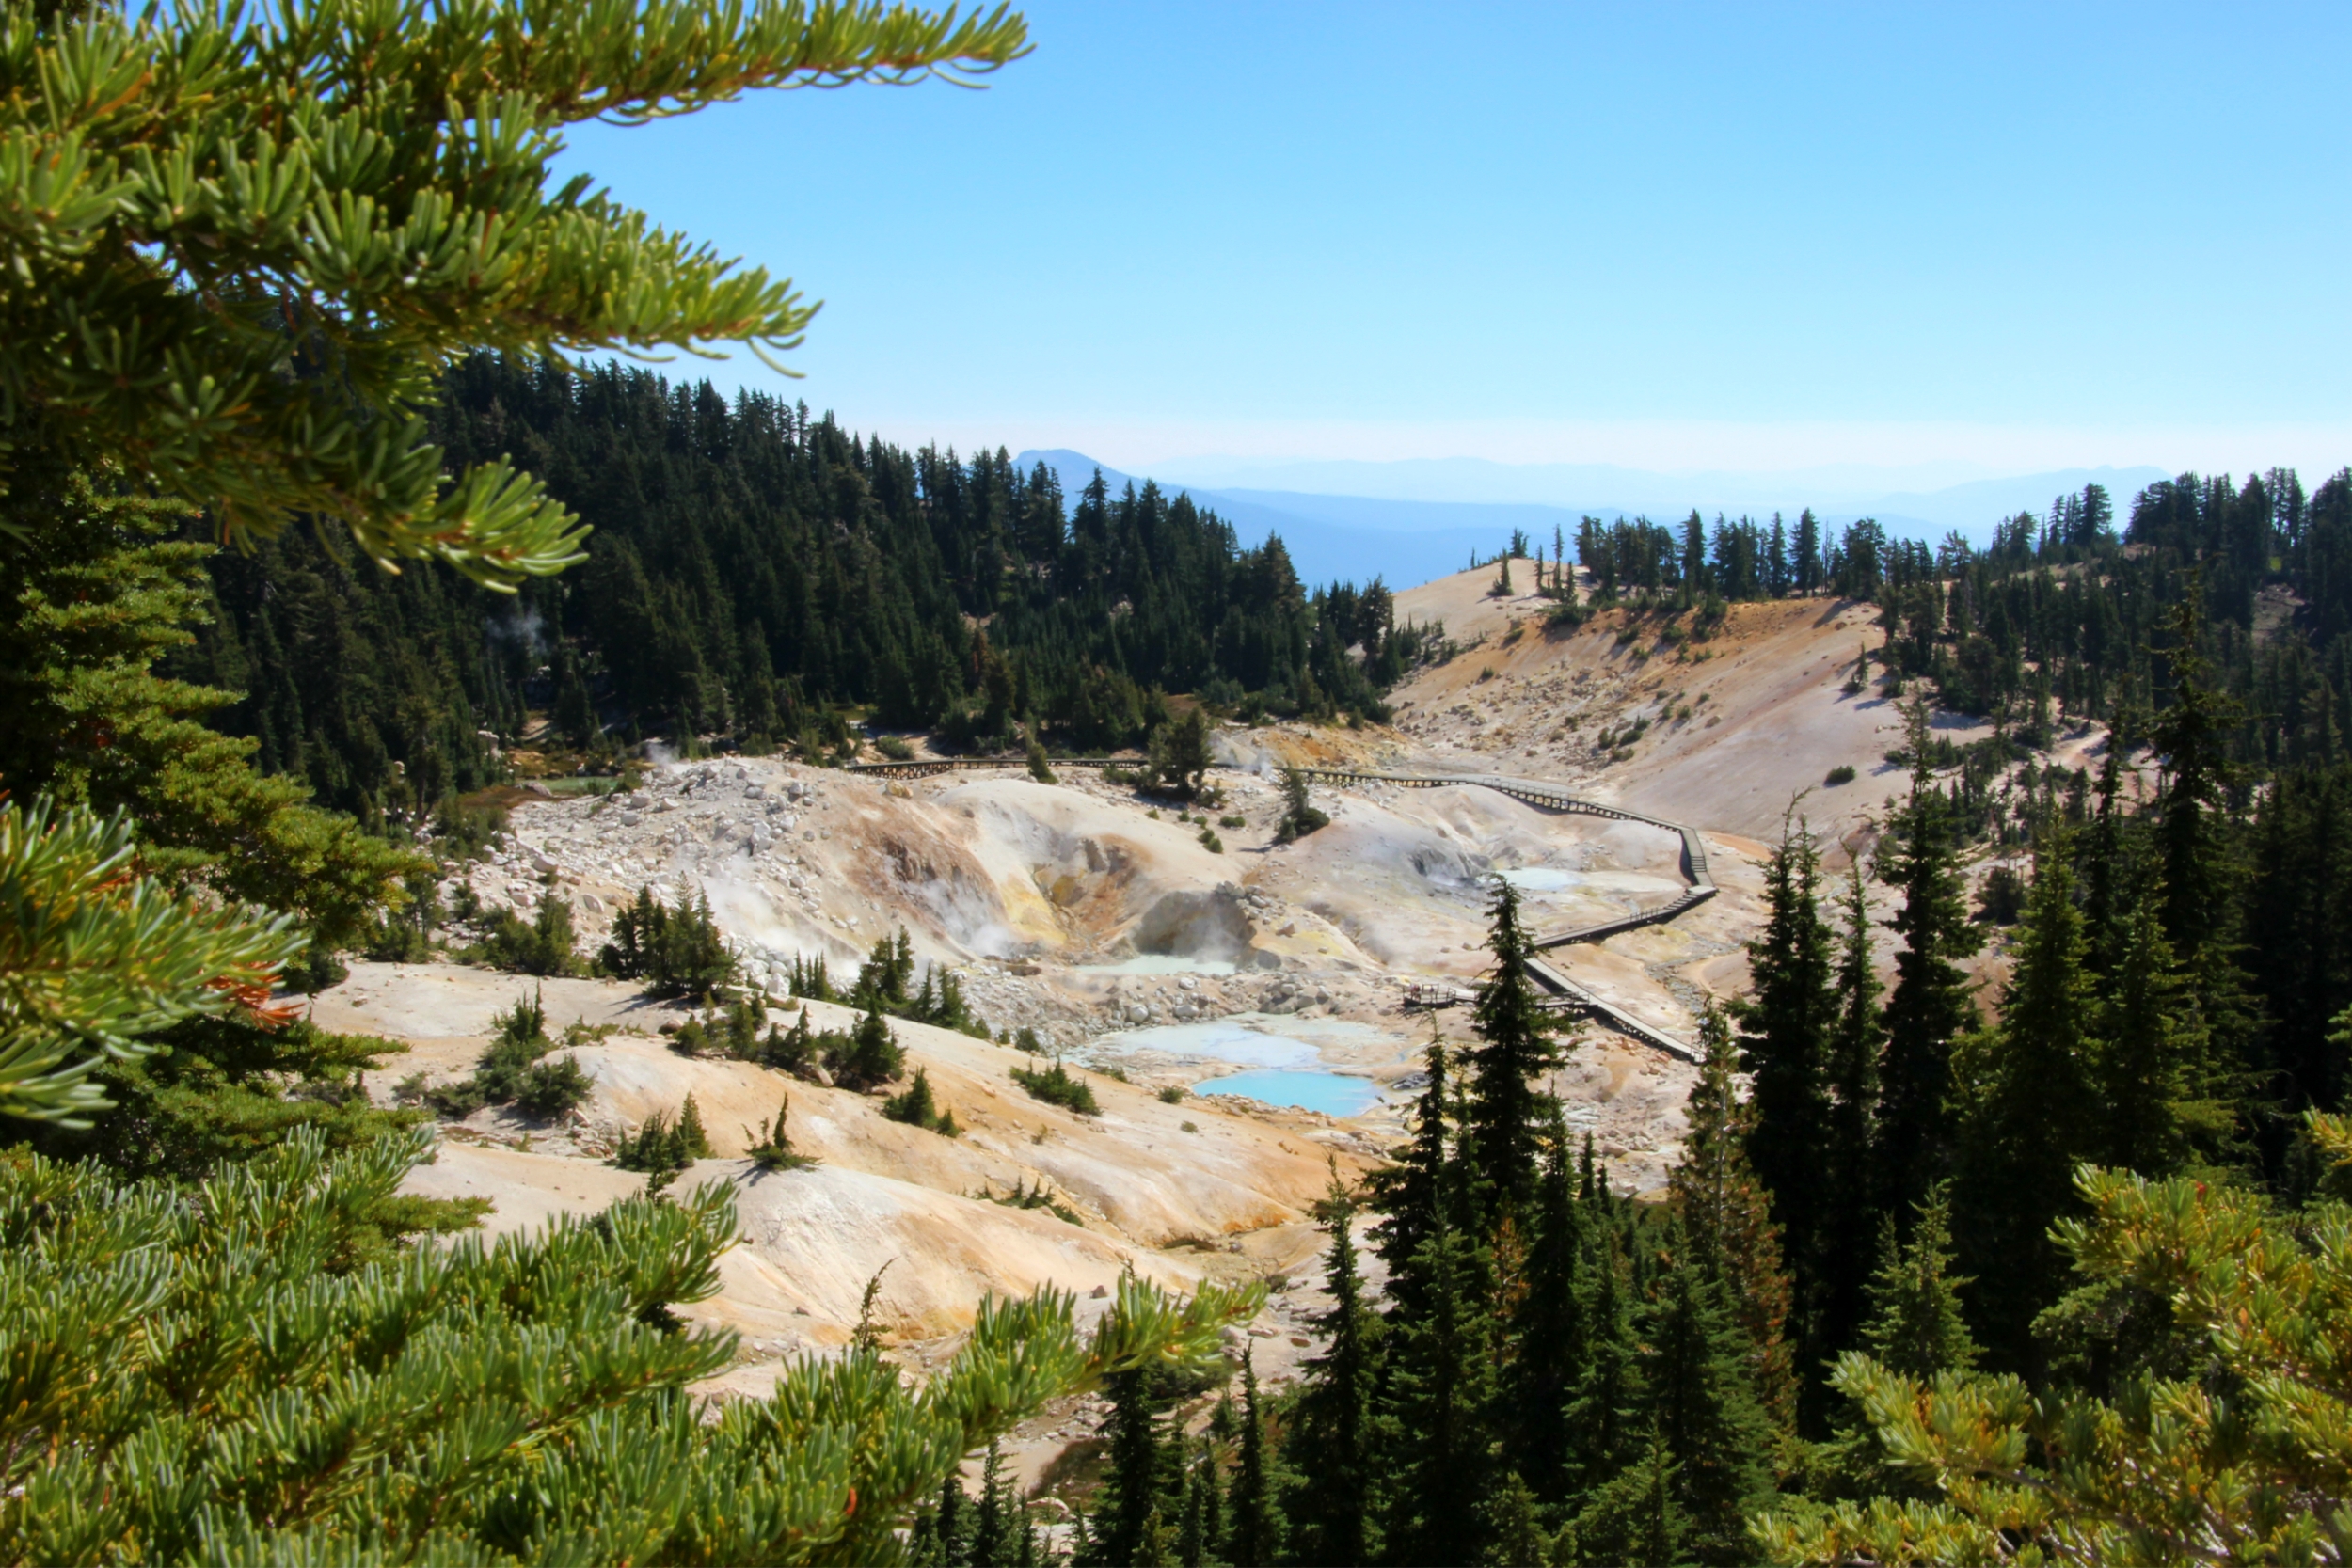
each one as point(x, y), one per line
point(1940, 240)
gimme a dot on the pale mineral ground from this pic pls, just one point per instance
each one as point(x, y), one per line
point(1076, 911)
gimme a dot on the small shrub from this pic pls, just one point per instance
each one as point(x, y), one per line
point(771, 1150)
point(1189, 1127)
point(1040, 768)
point(550, 1089)
point(1486, 673)
point(1056, 1088)
point(871, 1055)
point(510, 1071)
point(1032, 1197)
point(675, 952)
point(895, 749)
point(1842, 774)
point(1232, 820)
point(1299, 816)
point(1172, 1095)
point(662, 1149)
point(916, 1107)
point(544, 946)
point(1209, 842)
point(2003, 898)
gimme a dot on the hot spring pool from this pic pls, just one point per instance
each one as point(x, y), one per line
point(1327, 1092)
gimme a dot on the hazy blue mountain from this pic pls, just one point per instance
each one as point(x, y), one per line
point(1415, 519)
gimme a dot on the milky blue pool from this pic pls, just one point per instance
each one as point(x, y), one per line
point(1327, 1092)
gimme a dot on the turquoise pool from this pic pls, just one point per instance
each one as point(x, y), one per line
point(1327, 1092)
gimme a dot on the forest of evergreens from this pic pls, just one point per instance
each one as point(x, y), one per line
point(754, 576)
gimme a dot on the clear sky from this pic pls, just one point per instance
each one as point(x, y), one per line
point(1668, 236)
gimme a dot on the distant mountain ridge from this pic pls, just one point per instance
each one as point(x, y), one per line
point(1410, 539)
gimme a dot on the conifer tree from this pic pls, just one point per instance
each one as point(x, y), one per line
point(873, 1055)
point(1441, 1360)
point(1143, 1463)
point(2151, 1043)
point(1726, 1222)
point(1701, 1387)
point(2030, 1114)
point(1508, 1103)
point(1331, 1449)
point(1410, 1194)
point(1615, 1436)
point(142, 133)
point(1204, 1515)
point(534, 1390)
point(1931, 1006)
point(1254, 1526)
point(1848, 1214)
point(1547, 1327)
point(1915, 1325)
point(1299, 816)
point(1786, 1026)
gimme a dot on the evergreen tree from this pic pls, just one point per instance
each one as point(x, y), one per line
point(1508, 1104)
point(1410, 1194)
point(1726, 1222)
point(1142, 1467)
point(1915, 1325)
point(1546, 1327)
point(554, 1358)
point(1701, 1387)
point(1331, 1449)
point(1299, 816)
point(1254, 1528)
point(2030, 1114)
point(2151, 1042)
point(873, 1055)
point(1618, 1463)
point(1441, 1472)
point(1931, 1007)
point(1203, 1523)
point(1848, 1180)
point(1787, 1026)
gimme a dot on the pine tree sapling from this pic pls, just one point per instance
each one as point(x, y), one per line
point(1299, 817)
point(917, 1107)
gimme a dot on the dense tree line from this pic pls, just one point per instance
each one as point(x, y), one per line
point(754, 573)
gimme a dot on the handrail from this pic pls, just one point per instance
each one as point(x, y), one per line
point(1571, 996)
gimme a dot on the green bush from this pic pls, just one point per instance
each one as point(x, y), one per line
point(1033, 1197)
point(1842, 774)
point(893, 747)
point(1172, 1095)
point(475, 1401)
point(870, 1057)
point(543, 947)
point(917, 1107)
point(674, 952)
point(771, 1150)
point(1299, 817)
point(662, 1148)
point(1056, 1088)
point(512, 1072)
